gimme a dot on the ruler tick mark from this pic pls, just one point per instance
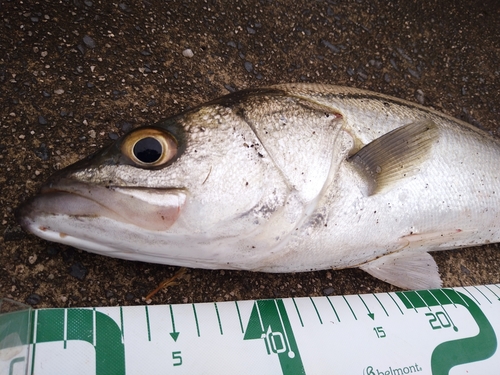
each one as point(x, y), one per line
point(350, 308)
point(35, 331)
point(94, 325)
point(410, 303)
point(218, 317)
point(475, 287)
point(147, 323)
point(423, 300)
point(65, 333)
point(174, 334)
point(393, 300)
point(333, 308)
point(459, 295)
point(196, 320)
point(380, 303)
point(496, 295)
point(316, 309)
point(449, 299)
point(239, 316)
point(470, 294)
point(298, 313)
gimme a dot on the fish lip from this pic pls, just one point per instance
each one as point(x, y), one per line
point(22, 214)
point(126, 204)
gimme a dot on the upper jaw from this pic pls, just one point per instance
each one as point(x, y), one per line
point(147, 208)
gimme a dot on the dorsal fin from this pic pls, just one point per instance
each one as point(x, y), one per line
point(395, 155)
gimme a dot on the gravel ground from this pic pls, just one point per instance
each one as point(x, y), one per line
point(77, 74)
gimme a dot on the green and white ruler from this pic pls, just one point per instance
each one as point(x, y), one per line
point(439, 332)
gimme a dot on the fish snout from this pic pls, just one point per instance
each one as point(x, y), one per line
point(148, 208)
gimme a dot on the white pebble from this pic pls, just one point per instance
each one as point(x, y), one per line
point(187, 53)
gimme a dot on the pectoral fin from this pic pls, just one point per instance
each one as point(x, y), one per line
point(406, 269)
point(395, 155)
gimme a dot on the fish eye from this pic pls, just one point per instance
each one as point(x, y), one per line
point(149, 147)
point(148, 150)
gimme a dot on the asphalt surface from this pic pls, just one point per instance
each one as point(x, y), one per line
point(76, 74)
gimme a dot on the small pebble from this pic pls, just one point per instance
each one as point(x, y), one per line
point(248, 66)
point(376, 63)
point(124, 7)
point(393, 63)
point(42, 120)
point(78, 271)
point(113, 136)
point(414, 73)
point(59, 91)
point(330, 46)
point(230, 88)
point(124, 126)
point(42, 152)
point(464, 269)
point(187, 53)
point(328, 291)
point(89, 42)
point(33, 299)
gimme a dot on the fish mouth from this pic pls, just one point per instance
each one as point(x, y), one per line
point(154, 209)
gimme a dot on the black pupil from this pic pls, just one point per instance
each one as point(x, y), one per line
point(148, 150)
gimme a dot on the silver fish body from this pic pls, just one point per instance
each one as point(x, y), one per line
point(289, 178)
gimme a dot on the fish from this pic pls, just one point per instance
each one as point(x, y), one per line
point(285, 178)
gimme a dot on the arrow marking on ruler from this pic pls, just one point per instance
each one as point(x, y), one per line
point(370, 314)
point(174, 334)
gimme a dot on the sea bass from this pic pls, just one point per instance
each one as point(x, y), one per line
point(288, 178)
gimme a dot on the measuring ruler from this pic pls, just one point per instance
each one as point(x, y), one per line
point(439, 332)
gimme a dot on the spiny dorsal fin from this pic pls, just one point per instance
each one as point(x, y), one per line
point(396, 155)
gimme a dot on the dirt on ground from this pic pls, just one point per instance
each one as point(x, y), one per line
point(76, 74)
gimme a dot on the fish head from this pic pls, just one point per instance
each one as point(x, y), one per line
point(160, 193)
point(218, 186)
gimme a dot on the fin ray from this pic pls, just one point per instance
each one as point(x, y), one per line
point(395, 155)
point(406, 269)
